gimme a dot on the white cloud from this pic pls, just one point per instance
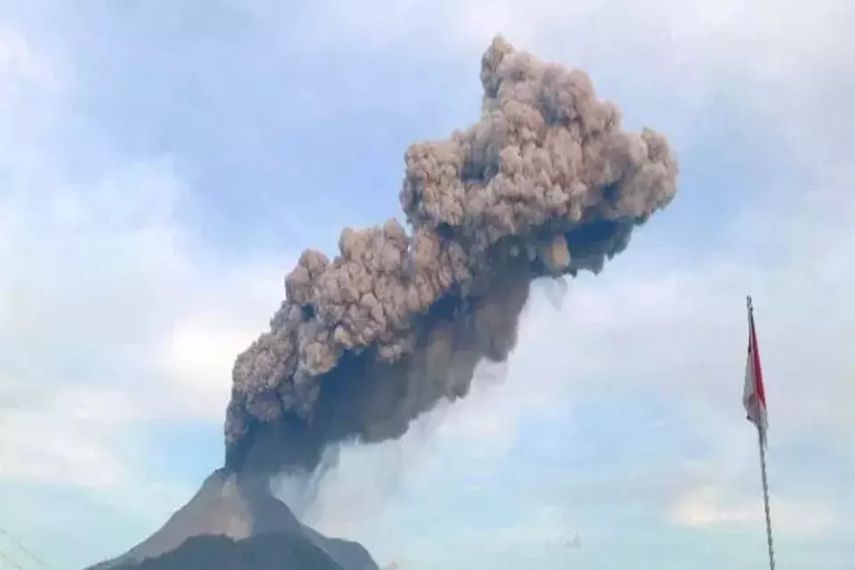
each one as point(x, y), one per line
point(705, 507)
point(20, 61)
point(110, 315)
point(65, 437)
point(110, 319)
point(195, 352)
point(197, 355)
point(537, 528)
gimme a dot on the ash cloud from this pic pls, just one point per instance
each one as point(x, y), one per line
point(546, 183)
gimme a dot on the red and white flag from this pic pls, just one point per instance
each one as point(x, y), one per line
point(754, 395)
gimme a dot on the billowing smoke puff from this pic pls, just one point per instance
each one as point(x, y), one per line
point(545, 184)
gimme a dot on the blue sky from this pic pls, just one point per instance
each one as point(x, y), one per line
point(162, 165)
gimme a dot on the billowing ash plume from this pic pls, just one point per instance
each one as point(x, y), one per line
point(545, 184)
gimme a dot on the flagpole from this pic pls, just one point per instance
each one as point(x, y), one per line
point(766, 499)
point(761, 443)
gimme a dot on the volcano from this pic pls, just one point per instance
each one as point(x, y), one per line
point(546, 183)
point(235, 521)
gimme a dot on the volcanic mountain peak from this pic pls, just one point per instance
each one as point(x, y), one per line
point(238, 514)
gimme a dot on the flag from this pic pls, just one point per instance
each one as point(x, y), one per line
point(754, 395)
